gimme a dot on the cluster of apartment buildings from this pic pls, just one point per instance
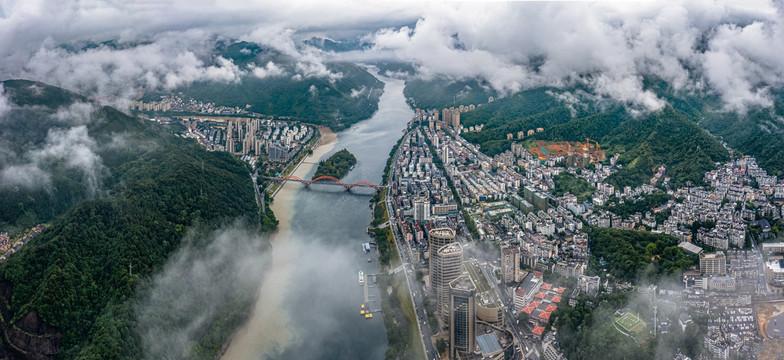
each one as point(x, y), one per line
point(249, 137)
point(173, 103)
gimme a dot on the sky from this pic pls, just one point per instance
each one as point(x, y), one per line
point(730, 48)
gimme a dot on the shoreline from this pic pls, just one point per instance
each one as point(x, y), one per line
point(247, 341)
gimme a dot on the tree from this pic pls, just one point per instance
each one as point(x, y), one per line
point(440, 345)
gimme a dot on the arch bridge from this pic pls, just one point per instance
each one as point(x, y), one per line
point(328, 180)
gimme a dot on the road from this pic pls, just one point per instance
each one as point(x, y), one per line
point(487, 269)
point(405, 260)
point(762, 286)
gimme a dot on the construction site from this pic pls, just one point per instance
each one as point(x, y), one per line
point(574, 153)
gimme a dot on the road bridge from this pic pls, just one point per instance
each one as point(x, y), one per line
point(328, 180)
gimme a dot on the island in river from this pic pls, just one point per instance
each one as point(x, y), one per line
point(337, 165)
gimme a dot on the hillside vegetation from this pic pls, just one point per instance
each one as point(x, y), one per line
point(440, 93)
point(337, 99)
point(70, 292)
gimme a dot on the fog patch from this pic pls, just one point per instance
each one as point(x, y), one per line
point(207, 273)
point(73, 148)
point(77, 113)
point(269, 70)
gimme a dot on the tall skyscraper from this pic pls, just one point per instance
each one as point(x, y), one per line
point(462, 318)
point(510, 264)
point(446, 267)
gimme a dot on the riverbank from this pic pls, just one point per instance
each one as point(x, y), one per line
point(266, 331)
point(309, 301)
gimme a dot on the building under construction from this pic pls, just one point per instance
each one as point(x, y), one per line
point(574, 153)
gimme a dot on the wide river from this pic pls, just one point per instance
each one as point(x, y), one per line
point(309, 300)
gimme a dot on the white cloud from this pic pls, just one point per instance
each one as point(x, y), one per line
point(73, 147)
point(269, 70)
point(77, 113)
point(615, 44)
point(730, 47)
point(5, 105)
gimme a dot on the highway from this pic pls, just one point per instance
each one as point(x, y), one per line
point(404, 255)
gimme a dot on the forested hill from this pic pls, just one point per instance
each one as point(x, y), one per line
point(69, 292)
point(337, 96)
point(670, 137)
point(440, 93)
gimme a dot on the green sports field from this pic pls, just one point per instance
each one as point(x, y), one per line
point(630, 323)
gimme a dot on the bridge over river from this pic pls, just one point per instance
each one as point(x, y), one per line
point(328, 180)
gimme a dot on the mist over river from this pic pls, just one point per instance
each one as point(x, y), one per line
point(309, 299)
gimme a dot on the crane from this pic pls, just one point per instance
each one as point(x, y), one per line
point(588, 144)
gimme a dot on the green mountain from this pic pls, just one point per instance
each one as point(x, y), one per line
point(666, 137)
point(759, 133)
point(440, 93)
point(348, 95)
point(69, 293)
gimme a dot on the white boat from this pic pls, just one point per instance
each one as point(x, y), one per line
point(361, 278)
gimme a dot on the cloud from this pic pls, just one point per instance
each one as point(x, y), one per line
point(612, 45)
point(269, 70)
point(77, 113)
point(73, 148)
point(726, 47)
point(5, 105)
point(210, 272)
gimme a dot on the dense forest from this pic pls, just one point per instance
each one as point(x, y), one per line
point(638, 255)
point(347, 96)
point(566, 182)
point(71, 291)
point(337, 165)
point(758, 133)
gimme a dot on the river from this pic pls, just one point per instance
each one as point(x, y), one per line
point(309, 300)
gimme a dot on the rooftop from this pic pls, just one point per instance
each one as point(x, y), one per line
point(463, 282)
point(489, 344)
point(487, 297)
point(451, 248)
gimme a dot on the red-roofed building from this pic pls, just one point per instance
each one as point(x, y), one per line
point(547, 286)
point(538, 273)
point(560, 290)
point(529, 309)
point(556, 299)
point(550, 308)
point(541, 295)
point(544, 315)
point(538, 330)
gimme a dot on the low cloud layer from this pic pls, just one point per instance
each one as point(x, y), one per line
point(199, 282)
point(5, 105)
point(72, 148)
point(728, 48)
